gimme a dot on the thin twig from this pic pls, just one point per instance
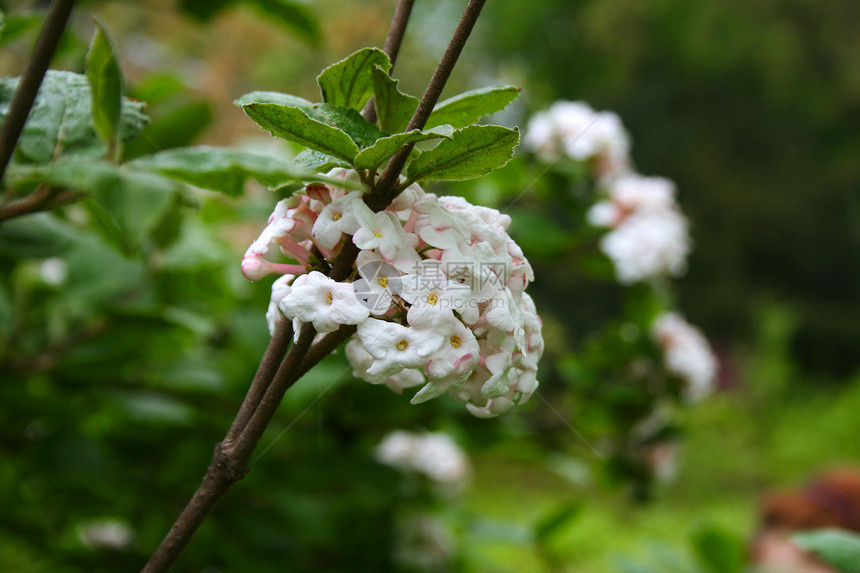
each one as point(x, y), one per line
point(25, 95)
point(385, 187)
point(324, 347)
point(272, 359)
point(44, 198)
point(393, 41)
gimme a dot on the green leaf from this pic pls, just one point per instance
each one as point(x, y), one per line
point(35, 236)
point(838, 548)
point(15, 25)
point(362, 132)
point(385, 147)
point(317, 162)
point(275, 97)
point(225, 170)
point(106, 83)
point(472, 152)
point(60, 122)
point(178, 126)
point(551, 523)
point(293, 124)
point(293, 16)
point(393, 107)
point(349, 83)
point(204, 10)
point(127, 203)
point(719, 551)
point(468, 107)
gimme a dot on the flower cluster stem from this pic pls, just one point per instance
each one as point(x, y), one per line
point(277, 373)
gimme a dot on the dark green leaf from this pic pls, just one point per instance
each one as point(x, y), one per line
point(838, 548)
point(224, 170)
point(35, 236)
point(362, 132)
point(106, 83)
point(294, 17)
point(293, 124)
point(14, 25)
point(552, 522)
point(349, 83)
point(204, 9)
point(385, 147)
point(127, 203)
point(393, 107)
point(275, 97)
point(474, 151)
point(174, 125)
point(60, 122)
point(719, 551)
point(468, 107)
point(317, 162)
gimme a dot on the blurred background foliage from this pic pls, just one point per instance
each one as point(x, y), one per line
point(120, 373)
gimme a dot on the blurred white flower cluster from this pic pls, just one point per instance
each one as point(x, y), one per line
point(439, 298)
point(648, 236)
point(106, 534)
point(432, 454)
point(686, 354)
point(575, 130)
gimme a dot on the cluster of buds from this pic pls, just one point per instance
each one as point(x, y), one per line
point(438, 294)
point(574, 130)
point(648, 236)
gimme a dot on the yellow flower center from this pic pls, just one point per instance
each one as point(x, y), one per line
point(383, 282)
point(455, 341)
point(402, 345)
point(432, 299)
point(336, 217)
point(330, 299)
point(377, 234)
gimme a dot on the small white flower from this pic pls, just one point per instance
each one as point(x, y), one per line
point(433, 298)
point(54, 271)
point(106, 534)
point(648, 245)
point(687, 354)
point(396, 347)
point(452, 364)
point(378, 284)
point(325, 303)
point(433, 454)
point(577, 131)
point(381, 231)
point(280, 289)
point(335, 219)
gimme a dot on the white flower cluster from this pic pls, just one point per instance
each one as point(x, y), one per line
point(106, 534)
point(575, 130)
point(649, 235)
point(686, 353)
point(432, 454)
point(439, 299)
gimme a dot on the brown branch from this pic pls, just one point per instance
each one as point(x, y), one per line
point(383, 193)
point(272, 359)
point(44, 198)
point(25, 95)
point(325, 347)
